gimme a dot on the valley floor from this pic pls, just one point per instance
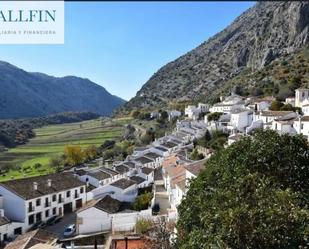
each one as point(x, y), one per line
point(51, 140)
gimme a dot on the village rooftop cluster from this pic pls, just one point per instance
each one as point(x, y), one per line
point(101, 198)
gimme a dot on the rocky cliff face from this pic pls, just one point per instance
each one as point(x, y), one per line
point(267, 31)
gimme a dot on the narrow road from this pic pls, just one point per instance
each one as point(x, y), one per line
point(162, 198)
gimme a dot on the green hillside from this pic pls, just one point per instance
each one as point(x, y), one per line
point(51, 140)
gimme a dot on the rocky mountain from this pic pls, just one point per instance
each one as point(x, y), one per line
point(24, 94)
point(267, 32)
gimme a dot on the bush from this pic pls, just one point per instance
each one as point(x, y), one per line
point(142, 226)
point(256, 91)
point(214, 116)
point(142, 201)
point(196, 156)
point(37, 165)
point(276, 105)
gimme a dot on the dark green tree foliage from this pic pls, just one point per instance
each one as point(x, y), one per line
point(276, 105)
point(215, 141)
point(196, 156)
point(214, 116)
point(142, 201)
point(254, 194)
point(279, 106)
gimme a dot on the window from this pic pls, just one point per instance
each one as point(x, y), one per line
point(31, 219)
point(47, 213)
point(54, 198)
point(17, 230)
point(82, 189)
point(30, 207)
point(38, 202)
point(68, 193)
point(54, 211)
point(38, 217)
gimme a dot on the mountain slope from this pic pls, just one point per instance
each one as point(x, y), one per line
point(24, 94)
point(267, 31)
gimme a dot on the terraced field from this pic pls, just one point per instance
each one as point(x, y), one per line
point(51, 140)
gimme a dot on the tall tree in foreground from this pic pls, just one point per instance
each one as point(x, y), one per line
point(254, 194)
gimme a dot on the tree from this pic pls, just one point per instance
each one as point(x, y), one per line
point(195, 155)
point(161, 235)
point(214, 116)
point(253, 194)
point(74, 155)
point(91, 152)
point(129, 133)
point(287, 107)
point(144, 116)
point(256, 91)
point(148, 137)
point(135, 114)
point(163, 117)
point(203, 141)
point(142, 201)
point(56, 162)
point(276, 105)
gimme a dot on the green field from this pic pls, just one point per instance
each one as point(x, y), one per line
point(51, 140)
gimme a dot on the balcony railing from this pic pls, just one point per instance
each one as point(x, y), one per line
point(47, 204)
point(30, 209)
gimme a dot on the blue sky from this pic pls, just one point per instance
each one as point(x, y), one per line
point(119, 45)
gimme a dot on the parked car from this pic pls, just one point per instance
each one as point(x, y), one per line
point(156, 209)
point(42, 225)
point(51, 220)
point(36, 225)
point(57, 220)
point(69, 230)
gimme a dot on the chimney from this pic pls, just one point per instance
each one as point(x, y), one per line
point(35, 186)
point(49, 182)
point(126, 242)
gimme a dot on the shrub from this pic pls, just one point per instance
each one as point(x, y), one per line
point(214, 116)
point(142, 201)
point(142, 226)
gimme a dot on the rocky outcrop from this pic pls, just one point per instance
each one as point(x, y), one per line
point(261, 34)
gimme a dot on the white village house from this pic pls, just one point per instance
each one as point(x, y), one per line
point(122, 190)
point(229, 104)
point(35, 199)
point(301, 97)
point(97, 176)
point(8, 229)
point(108, 214)
point(240, 119)
point(301, 126)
